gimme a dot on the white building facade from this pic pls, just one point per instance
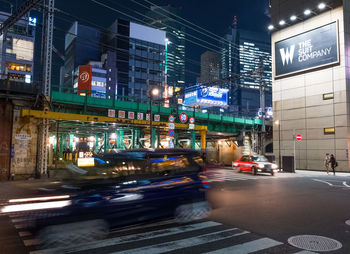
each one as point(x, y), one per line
point(311, 75)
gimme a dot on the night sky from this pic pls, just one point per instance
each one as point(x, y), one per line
point(215, 16)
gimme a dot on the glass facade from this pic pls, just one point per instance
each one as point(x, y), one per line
point(146, 67)
point(163, 17)
point(240, 60)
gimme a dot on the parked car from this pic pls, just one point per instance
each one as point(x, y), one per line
point(119, 189)
point(254, 164)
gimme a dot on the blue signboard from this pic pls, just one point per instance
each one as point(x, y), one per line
point(312, 49)
point(207, 96)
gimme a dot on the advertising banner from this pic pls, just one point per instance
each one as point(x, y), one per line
point(312, 49)
point(84, 79)
point(207, 96)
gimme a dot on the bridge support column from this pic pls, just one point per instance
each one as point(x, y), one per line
point(158, 138)
point(137, 138)
point(106, 142)
point(121, 140)
point(71, 140)
point(193, 139)
point(133, 139)
point(153, 137)
point(176, 139)
point(96, 143)
point(61, 145)
point(203, 140)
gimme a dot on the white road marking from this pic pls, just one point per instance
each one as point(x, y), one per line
point(188, 242)
point(30, 242)
point(20, 226)
point(248, 247)
point(305, 252)
point(130, 238)
point(144, 226)
point(345, 184)
point(318, 180)
point(18, 220)
point(24, 233)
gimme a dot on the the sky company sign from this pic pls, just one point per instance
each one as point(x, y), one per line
point(312, 49)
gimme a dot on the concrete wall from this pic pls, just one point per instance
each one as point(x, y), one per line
point(298, 101)
point(24, 141)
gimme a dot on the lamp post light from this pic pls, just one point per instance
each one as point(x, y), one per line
point(153, 92)
point(277, 122)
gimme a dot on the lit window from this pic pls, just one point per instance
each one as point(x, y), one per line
point(328, 96)
point(328, 131)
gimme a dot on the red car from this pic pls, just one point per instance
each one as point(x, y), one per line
point(254, 164)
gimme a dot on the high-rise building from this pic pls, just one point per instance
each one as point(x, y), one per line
point(243, 53)
point(82, 44)
point(210, 67)
point(128, 60)
point(17, 50)
point(140, 58)
point(310, 63)
point(163, 18)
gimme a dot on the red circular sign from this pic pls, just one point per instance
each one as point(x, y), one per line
point(298, 137)
point(171, 119)
point(183, 117)
point(191, 120)
point(84, 76)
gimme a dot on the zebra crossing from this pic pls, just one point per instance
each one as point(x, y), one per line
point(220, 175)
point(227, 174)
point(168, 237)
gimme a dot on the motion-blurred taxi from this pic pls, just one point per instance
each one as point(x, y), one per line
point(115, 190)
point(254, 164)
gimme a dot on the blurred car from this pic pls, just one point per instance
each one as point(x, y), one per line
point(118, 189)
point(254, 164)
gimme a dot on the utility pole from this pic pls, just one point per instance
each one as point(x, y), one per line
point(48, 14)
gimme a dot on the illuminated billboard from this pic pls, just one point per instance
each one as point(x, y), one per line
point(313, 49)
point(207, 96)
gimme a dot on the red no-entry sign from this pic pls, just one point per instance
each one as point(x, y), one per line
point(298, 137)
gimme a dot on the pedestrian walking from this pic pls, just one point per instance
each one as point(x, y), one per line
point(326, 162)
point(333, 163)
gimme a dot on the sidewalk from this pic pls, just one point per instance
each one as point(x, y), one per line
point(301, 172)
point(320, 173)
point(23, 188)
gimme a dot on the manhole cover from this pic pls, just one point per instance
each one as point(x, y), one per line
point(347, 222)
point(314, 243)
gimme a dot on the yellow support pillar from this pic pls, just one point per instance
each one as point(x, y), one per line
point(203, 139)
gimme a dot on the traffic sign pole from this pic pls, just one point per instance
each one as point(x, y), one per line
point(295, 161)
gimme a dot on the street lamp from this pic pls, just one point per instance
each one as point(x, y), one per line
point(277, 122)
point(153, 92)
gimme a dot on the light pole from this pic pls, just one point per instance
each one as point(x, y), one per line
point(277, 122)
point(153, 92)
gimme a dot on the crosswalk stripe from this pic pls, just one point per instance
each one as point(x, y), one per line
point(30, 242)
point(248, 247)
point(20, 226)
point(189, 242)
point(144, 226)
point(131, 238)
point(18, 220)
point(305, 252)
point(24, 233)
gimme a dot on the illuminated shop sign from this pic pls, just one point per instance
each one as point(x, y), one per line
point(32, 21)
point(207, 96)
point(312, 49)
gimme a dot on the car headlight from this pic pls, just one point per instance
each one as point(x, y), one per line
point(261, 165)
point(235, 164)
point(274, 166)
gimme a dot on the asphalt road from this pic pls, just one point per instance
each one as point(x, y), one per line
point(251, 214)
